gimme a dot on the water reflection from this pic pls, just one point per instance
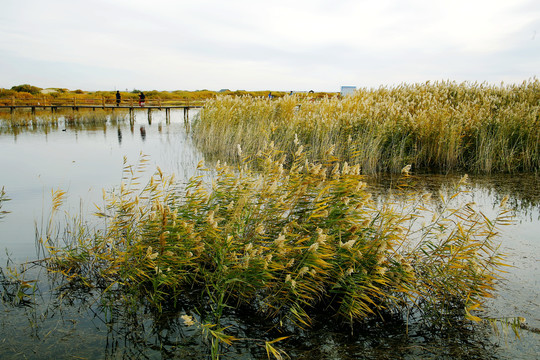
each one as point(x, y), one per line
point(76, 323)
point(143, 133)
point(523, 189)
point(82, 160)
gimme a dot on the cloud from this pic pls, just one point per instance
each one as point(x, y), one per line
point(318, 44)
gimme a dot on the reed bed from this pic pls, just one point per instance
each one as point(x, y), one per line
point(289, 240)
point(442, 126)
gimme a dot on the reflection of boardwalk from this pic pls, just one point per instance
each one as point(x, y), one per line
point(104, 104)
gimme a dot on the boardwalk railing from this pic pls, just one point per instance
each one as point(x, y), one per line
point(96, 103)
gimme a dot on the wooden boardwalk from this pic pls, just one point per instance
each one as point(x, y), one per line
point(104, 104)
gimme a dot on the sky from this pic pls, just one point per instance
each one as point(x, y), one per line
point(297, 45)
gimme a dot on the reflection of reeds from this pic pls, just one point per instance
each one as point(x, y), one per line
point(3, 198)
point(444, 126)
point(290, 240)
point(44, 121)
point(523, 190)
point(15, 289)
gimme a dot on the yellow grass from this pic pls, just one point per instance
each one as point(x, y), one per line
point(289, 240)
point(441, 126)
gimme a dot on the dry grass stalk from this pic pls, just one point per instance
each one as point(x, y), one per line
point(444, 126)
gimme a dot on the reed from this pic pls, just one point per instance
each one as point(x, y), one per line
point(441, 126)
point(288, 240)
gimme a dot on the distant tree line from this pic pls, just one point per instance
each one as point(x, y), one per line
point(30, 91)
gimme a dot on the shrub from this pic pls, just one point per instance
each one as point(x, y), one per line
point(24, 95)
point(34, 90)
point(7, 94)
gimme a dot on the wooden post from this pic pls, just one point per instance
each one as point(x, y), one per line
point(131, 115)
point(167, 115)
point(149, 116)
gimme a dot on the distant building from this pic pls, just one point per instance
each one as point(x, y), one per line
point(347, 90)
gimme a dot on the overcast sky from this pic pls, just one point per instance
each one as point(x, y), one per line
point(256, 45)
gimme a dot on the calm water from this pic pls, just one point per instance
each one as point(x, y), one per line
point(81, 160)
point(84, 159)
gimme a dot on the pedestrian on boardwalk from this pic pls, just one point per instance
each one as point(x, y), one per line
point(141, 99)
point(118, 98)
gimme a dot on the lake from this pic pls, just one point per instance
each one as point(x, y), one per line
point(84, 158)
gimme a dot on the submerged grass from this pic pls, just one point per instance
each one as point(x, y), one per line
point(288, 240)
point(441, 126)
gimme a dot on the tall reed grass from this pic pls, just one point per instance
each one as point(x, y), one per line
point(289, 240)
point(441, 126)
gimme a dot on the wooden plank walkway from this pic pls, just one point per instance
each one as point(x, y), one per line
point(105, 104)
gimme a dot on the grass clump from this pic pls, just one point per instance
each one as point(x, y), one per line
point(289, 240)
point(441, 126)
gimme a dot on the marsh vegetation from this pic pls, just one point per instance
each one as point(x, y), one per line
point(286, 245)
point(287, 241)
point(439, 127)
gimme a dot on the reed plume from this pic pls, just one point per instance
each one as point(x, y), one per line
point(442, 126)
